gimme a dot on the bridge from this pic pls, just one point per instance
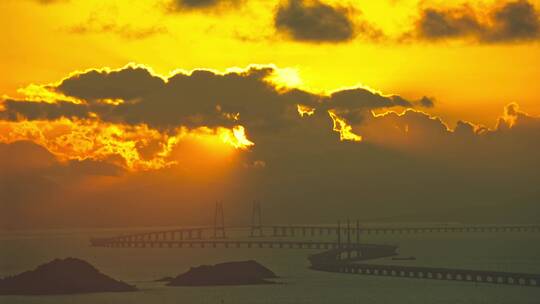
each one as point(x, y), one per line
point(187, 235)
point(231, 244)
point(342, 255)
point(288, 230)
point(349, 260)
point(434, 273)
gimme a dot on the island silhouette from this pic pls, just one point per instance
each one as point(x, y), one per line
point(62, 276)
point(229, 273)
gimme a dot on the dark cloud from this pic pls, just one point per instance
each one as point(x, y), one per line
point(507, 22)
point(419, 132)
point(129, 83)
point(201, 98)
point(409, 166)
point(440, 24)
point(32, 180)
point(515, 21)
point(124, 31)
point(22, 156)
point(44, 110)
point(314, 21)
point(427, 102)
point(88, 167)
point(354, 104)
point(97, 24)
point(464, 129)
point(362, 98)
point(180, 5)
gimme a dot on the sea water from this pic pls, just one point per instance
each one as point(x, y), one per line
point(502, 251)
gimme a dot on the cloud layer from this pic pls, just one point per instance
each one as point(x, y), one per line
point(133, 95)
point(180, 5)
point(95, 133)
point(314, 21)
point(513, 21)
point(318, 21)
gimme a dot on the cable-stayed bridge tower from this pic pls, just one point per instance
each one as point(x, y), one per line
point(256, 220)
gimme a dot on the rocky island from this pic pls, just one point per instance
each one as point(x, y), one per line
point(61, 276)
point(230, 273)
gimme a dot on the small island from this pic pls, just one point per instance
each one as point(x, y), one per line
point(62, 276)
point(230, 273)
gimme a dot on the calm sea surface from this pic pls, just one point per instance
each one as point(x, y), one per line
point(518, 252)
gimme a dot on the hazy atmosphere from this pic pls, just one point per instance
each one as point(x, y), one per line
point(183, 113)
point(106, 119)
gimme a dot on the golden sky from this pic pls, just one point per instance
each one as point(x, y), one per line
point(43, 41)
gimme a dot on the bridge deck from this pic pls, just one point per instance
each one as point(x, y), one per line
point(464, 275)
point(283, 230)
point(207, 233)
point(336, 257)
point(116, 243)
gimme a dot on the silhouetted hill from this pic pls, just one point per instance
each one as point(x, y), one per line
point(67, 276)
point(231, 273)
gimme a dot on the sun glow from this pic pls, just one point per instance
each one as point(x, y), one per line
point(235, 137)
point(136, 148)
point(285, 77)
point(343, 128)
point(42, 93)
point(304, 110)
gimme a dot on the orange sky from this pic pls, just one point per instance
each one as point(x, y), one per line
point(471, 81)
